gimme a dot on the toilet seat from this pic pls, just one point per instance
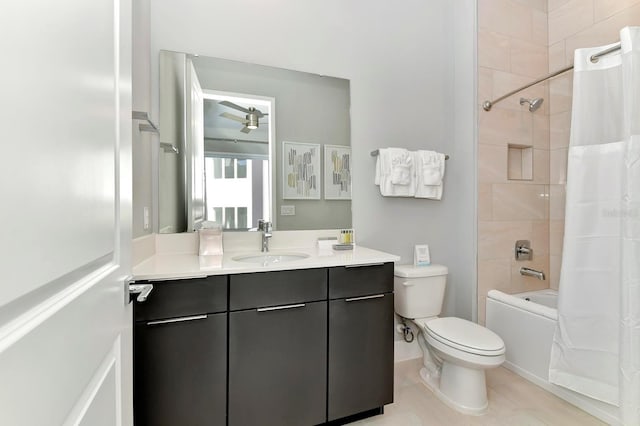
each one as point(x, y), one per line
point(465, 336)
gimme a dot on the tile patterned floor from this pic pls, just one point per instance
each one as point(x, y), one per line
point(513, 401)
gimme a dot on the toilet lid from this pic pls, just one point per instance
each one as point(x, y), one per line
point(465, 335)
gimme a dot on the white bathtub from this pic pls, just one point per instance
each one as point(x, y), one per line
point(526, 322)
point(527, 328)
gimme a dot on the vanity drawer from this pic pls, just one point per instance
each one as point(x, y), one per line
point(177, 298)
point(264, 289)
point(351, 281)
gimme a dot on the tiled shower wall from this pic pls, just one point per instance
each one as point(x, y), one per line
point(512, 51)
point(518, 42)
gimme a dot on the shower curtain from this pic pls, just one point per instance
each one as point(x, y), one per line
point(596, 347)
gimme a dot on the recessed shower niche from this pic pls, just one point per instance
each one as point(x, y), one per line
point(520, 162)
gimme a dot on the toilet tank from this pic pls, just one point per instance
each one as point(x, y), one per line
point(419, 290)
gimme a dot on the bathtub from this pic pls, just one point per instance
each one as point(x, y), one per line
point(526, 322)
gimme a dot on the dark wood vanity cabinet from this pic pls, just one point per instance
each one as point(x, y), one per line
point(180, 353)
point(277, 348)
point(299, 347)
point(360, 375)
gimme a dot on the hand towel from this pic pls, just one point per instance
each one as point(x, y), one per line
point(429, 164)
point(429, 174)
point(401, 167)
point(396, 175)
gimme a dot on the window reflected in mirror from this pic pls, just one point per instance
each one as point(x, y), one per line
point(237, 154)
point(236, 191)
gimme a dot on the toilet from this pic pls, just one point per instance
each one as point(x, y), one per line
point(456, 352)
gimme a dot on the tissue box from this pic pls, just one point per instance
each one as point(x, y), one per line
point(326, 243)
point(210, 237)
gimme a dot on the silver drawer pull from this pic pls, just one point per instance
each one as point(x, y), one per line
point(355, 299)
point(277, 308)
point(364, 265)
point(182, 319)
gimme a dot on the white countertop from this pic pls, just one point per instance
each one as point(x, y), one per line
point(165, 266)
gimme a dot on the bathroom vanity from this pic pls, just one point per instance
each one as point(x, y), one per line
point(303, 342)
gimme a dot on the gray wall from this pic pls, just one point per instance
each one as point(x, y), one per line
point(463, 249)
point(411, 68)
point(309, 108)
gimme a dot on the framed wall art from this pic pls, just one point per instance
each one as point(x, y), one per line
point(300, 171)
point(337, 172)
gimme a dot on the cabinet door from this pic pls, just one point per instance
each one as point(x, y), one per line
point(180, 371)
point(360, 354)
point(278, 366)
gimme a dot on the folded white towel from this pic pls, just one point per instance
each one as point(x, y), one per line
point(429, 174)
point(429, 163)
point(395, 172)
point(401, 167)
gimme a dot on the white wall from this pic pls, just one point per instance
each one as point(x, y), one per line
point(141, 98)
point(411, 67)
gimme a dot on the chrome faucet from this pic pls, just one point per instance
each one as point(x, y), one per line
point(266, 229)
point(532, 273)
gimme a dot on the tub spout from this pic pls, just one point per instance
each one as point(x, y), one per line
point(532, 273)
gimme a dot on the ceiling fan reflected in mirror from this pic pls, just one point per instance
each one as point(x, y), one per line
point(251, 120)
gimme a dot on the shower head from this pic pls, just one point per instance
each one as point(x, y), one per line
point(534, 104)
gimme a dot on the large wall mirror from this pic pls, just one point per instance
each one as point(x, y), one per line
point(223, 126)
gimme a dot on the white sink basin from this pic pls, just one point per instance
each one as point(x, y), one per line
point(270, 258)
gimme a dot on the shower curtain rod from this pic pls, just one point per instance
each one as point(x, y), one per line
point(594, 58)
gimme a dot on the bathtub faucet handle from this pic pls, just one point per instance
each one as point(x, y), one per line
point(523, 250)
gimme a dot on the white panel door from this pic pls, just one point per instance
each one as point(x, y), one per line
point(65, 220)
point(194, 157)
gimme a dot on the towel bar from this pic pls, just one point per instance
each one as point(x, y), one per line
point(375, 153)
